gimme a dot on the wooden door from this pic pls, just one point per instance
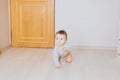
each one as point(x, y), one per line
point(32, 23)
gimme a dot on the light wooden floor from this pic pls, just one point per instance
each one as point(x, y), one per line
point(38, 64)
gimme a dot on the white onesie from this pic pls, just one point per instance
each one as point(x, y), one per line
point(59, 52)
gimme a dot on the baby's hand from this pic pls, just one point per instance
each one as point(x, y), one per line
point(58, 67)
point(64, 49)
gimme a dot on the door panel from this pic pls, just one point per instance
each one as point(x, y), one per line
point(32, 23)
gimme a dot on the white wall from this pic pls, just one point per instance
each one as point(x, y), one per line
point(119, 15)
point(4, 24)
point(88, 22)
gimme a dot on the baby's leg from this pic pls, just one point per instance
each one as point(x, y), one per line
point(59, 59)
point(68, 58)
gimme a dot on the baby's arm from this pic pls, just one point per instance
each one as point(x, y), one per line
point(56, 58)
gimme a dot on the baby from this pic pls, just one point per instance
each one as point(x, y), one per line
point(61, 50)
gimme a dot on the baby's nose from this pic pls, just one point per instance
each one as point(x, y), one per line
point(59, 41)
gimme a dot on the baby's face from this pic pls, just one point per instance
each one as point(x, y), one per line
point(60, 40)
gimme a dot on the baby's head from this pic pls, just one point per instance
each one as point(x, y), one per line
point(60, 38)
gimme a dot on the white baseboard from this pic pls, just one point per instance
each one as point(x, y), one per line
point(95, 47)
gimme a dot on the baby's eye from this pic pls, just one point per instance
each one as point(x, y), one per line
point(61, 39)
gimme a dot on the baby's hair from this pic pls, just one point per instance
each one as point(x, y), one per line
point(63, 32)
